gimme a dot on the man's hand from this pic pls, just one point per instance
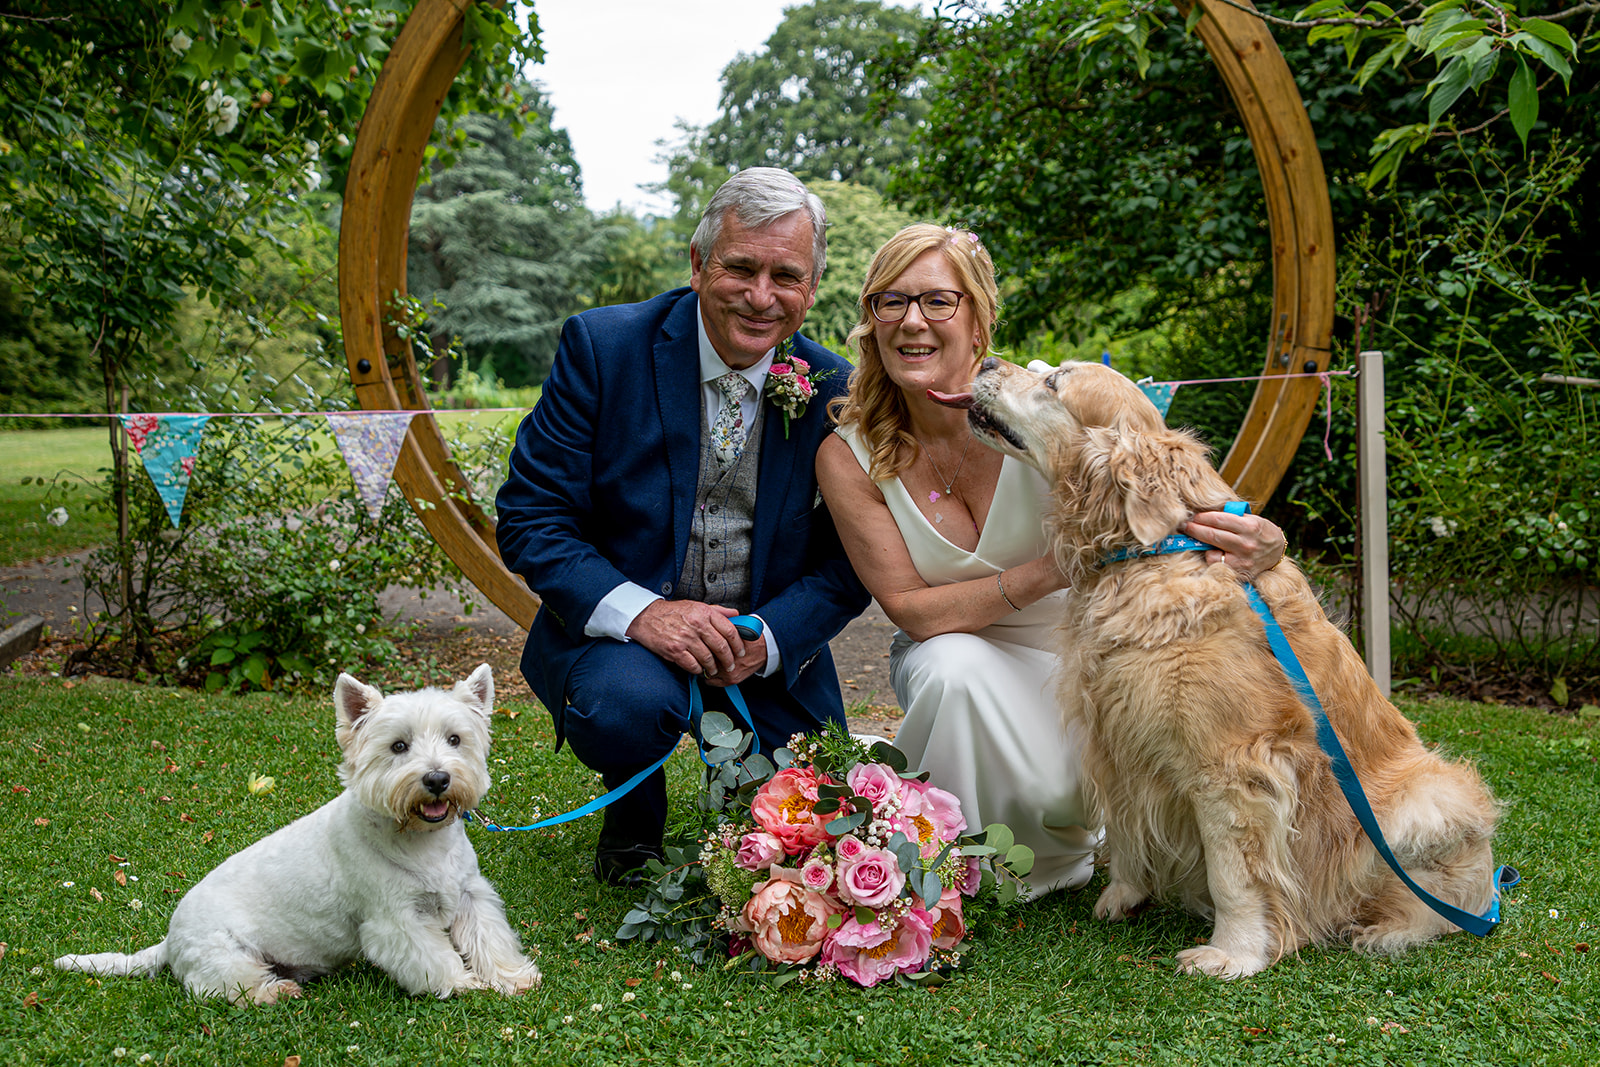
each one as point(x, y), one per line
point(697, 638)
point(751, 662)
point(1248, 543)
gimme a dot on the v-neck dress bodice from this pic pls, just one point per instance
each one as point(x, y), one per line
point(981, 713)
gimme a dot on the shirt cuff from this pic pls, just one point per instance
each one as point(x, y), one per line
point(617, 610)
point(774, 657)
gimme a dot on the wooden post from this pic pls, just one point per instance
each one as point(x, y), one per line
point(1372, 476)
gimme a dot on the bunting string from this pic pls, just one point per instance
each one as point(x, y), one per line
point(370, 439)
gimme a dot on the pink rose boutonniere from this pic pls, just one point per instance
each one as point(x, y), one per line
point(790, 385)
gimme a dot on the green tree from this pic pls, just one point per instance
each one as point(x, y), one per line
point(147, 148)
point(642, 257)
point(806, 102)
point(858, 223)
point(502, 240)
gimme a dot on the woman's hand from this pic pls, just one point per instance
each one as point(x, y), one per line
point(1248, 543)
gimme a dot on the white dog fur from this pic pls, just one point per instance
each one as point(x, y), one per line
point(384, 870)
point(1203, 762)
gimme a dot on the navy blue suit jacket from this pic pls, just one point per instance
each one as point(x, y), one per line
point(602, 485)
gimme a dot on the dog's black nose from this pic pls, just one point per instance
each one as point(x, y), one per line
point(989, 363)
point(436, 782)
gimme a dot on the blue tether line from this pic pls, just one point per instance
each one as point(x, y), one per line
point(1504, 876)
point(750, 627)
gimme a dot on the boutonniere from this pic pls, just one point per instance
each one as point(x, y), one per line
point(789, 383)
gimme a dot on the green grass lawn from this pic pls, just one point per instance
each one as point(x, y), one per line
point(102, 773)
point(75, 457)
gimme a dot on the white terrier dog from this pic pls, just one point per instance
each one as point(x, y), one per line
point(384, 870)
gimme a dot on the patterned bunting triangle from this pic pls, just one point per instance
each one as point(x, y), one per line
point(371, 444)
point(167, 444)
point(1160, 393)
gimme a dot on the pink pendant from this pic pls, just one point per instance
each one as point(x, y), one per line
point(933, 497)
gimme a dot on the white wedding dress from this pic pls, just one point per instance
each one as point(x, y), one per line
point(981, 713)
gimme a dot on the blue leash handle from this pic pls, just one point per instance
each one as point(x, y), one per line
point(749, 628)
point(1504, 877)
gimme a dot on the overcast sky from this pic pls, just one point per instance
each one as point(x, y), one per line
point(621, 72)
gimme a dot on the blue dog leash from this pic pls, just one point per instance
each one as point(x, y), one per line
point(749, 628)
point(1504, 876)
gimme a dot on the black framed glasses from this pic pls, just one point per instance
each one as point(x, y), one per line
point(936, 305)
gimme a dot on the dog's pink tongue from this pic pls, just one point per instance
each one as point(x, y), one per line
point(436, 809)
point(950, 400)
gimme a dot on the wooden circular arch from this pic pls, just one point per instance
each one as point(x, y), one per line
point(377, 211)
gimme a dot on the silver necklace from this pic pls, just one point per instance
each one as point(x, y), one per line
point(949, 483)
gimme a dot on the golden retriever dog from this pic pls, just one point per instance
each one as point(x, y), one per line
point(1202, 761)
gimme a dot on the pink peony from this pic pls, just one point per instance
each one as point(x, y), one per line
point(971, 877)
point(788, 922)
point(757, 850)
point(948, 927)
point(848, 849)
point(816, 875)
point(868, 954)
point(872, 880)
point(783, 806)
point(877, 782)
point(930, 816)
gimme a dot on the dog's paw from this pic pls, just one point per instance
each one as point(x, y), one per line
point(517, 982)
point(1208, 959)
point(272, 992)
point(468, 982)
point(1117, 901)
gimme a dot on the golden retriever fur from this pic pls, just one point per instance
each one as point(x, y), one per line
point(1203, 763)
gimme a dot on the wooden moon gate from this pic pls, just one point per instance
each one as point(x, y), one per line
point(377, 211)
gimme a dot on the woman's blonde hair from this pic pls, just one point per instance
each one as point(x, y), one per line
point(874, 404)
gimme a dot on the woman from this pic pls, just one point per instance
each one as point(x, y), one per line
point(948, 536)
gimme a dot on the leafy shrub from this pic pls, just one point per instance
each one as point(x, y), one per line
point(1494, 453)
point(274, 575)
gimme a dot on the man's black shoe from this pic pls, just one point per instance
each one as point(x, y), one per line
point(624, 867)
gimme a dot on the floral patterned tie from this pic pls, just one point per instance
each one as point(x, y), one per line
point(727, 429)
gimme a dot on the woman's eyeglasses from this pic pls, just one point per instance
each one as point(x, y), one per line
point(936, 305)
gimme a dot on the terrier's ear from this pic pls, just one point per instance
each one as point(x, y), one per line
point(478, 690)
point(352, 700)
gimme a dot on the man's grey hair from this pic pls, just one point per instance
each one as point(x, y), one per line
point(758, 197)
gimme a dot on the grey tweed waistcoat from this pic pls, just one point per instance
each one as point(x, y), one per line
point(716, 568)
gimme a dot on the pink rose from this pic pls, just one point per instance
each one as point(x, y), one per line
point(948, 927)
point(783, 807)
point(849, 849)
point(779, 369)
point(816, 875)
point(877, 782)
point(868, 954)
point(788, 922)
point(758, 849)
point(872, 880)
point(805, 387)
point(800, 365)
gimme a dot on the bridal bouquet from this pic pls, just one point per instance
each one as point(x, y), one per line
point(828, 860)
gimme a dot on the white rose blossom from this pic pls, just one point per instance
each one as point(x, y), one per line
point(225, 109)
point(180, 43)
point(58, 517)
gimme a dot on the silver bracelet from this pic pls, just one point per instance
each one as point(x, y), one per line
point(1002, 586)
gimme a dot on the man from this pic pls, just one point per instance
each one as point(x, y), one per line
point(654, 492)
